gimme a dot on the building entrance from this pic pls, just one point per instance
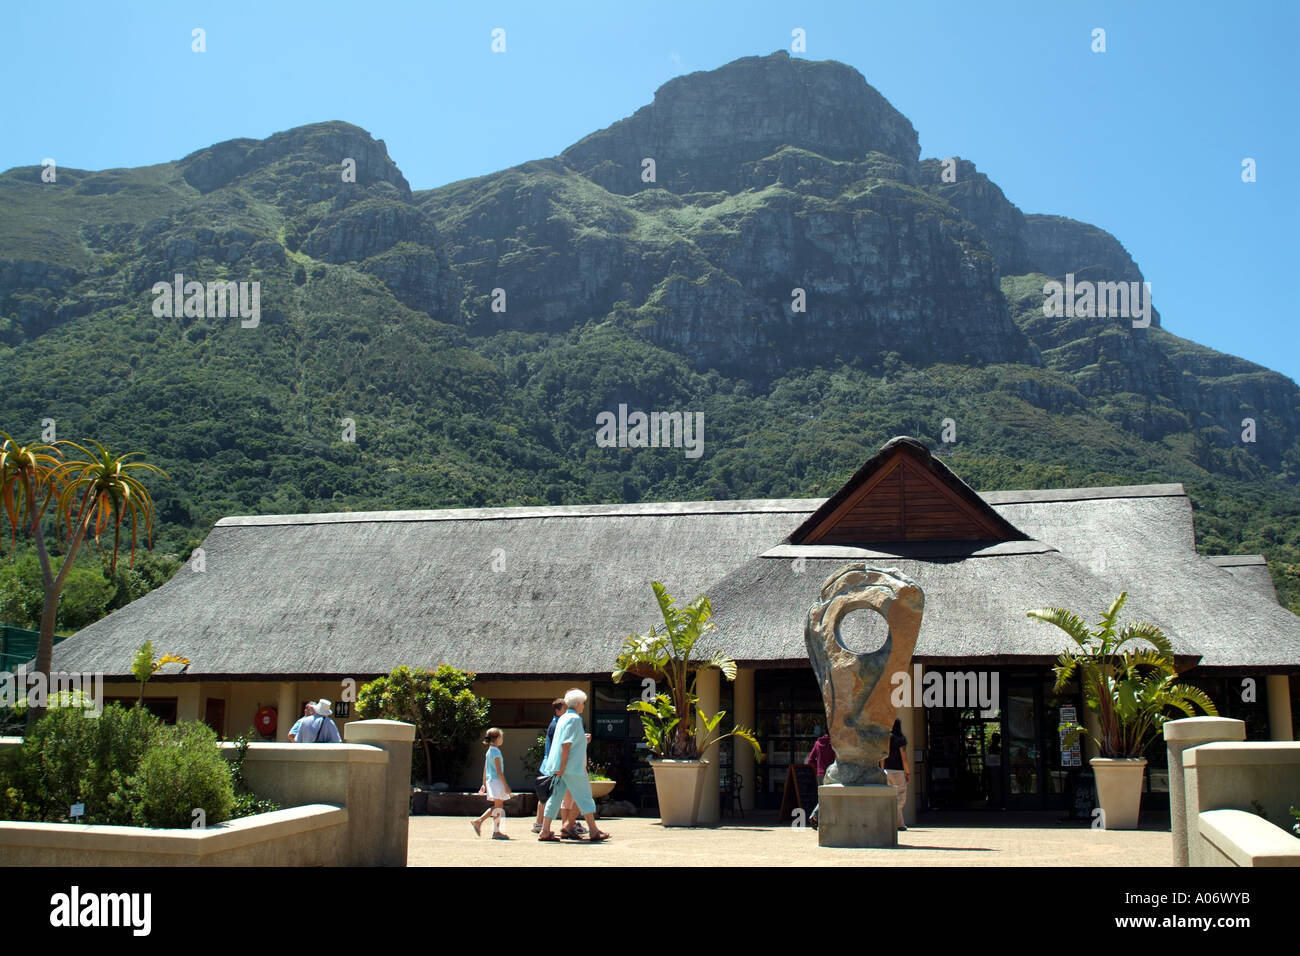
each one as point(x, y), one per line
point(1004, 757)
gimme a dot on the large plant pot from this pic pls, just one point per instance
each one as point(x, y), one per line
point(678, 784)
point(1119, 790)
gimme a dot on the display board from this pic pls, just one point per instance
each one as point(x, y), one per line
point(800, 791)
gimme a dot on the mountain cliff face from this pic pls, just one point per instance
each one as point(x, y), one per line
point(788, 263)
point(702, 127)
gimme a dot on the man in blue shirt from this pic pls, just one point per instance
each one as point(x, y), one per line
point(308, 712)
point(567, 763)
point(559, 707)
point(320, 729)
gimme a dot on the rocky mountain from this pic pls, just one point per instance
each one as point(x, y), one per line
point(762, 242)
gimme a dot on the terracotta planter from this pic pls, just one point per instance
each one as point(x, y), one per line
point(600, 789)
point(1119, 790)
point(678, 784)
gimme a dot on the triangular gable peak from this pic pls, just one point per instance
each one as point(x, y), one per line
point(904, 494)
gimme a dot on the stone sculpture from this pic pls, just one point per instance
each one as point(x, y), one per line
point(859, 713)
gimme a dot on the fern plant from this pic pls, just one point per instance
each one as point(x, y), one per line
point(1130, 686)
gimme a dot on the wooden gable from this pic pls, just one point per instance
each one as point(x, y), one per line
point(904, 495)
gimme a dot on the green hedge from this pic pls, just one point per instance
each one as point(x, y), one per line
point(127, 768)
point(184, 772)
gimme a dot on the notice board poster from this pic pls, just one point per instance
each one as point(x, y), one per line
point(1071, 757)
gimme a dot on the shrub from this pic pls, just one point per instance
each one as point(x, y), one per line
point(250, 804)
point(183, 773)
point(247, 803)
point(447, 715)
point(71, 758)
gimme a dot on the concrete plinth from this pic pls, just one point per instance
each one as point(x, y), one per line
point(857, 816)
point(1180, 736)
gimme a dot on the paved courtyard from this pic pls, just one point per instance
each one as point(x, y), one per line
point(1028, 840)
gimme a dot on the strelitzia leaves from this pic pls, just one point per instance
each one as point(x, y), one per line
point(1130, 688)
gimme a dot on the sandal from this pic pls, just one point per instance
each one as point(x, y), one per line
point(599, 839)
point(548, 838)
point(476, 824)
point(569, 835)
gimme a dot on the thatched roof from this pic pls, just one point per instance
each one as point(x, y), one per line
point(356, 594)
point(1250, 568)
point(1144, 542)
point(975, 603)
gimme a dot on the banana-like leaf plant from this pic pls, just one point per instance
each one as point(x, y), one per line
point(145, 665)
point(670, 655)
point(1131, 686)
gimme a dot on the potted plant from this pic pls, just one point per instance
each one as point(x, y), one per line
point(602, 784)
point(1131, 688)
point(670, 719)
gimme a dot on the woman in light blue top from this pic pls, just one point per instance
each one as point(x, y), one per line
point(567, 763)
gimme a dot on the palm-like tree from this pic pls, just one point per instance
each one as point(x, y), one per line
point(668, 654)
point(1131, 687)
point(97, 490)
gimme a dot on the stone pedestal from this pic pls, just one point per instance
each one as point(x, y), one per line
point(1180, 736)
point(857, 816)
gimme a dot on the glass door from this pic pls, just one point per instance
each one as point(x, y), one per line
point(1023, 760)
point(963, 761)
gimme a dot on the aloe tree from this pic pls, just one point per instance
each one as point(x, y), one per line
point(1130, 686)
point(670, 655)
point(89, 493)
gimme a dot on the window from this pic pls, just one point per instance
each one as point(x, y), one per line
point(790, 716)
point(521, 713)
point(163, 708)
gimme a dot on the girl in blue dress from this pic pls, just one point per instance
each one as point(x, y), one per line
point(494, 785)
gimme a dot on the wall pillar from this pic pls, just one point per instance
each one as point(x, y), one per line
point(286, 710)
point(1278, 688)
point(396, 738)
point(743, 705)
point(708, 688)
point(189, 702)
point(1180, 736)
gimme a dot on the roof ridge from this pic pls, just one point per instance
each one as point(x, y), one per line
point(659, 508)
point(1036, 495)
point(621, 510)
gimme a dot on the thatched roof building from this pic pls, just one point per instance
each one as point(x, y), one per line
point(534, 592)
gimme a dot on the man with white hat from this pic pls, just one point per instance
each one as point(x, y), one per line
point(320, 729)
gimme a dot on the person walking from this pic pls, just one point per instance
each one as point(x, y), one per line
point(821, 757)
point(321, 729)
point(494, 785)
point(896, 767)
point(308, 710)
point(558, 707)
point(568, 765)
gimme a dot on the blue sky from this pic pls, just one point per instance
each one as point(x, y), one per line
point(1145, 140)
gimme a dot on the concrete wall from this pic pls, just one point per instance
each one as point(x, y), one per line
point(348, 805)
point(1236, 776)
point(301, 836)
